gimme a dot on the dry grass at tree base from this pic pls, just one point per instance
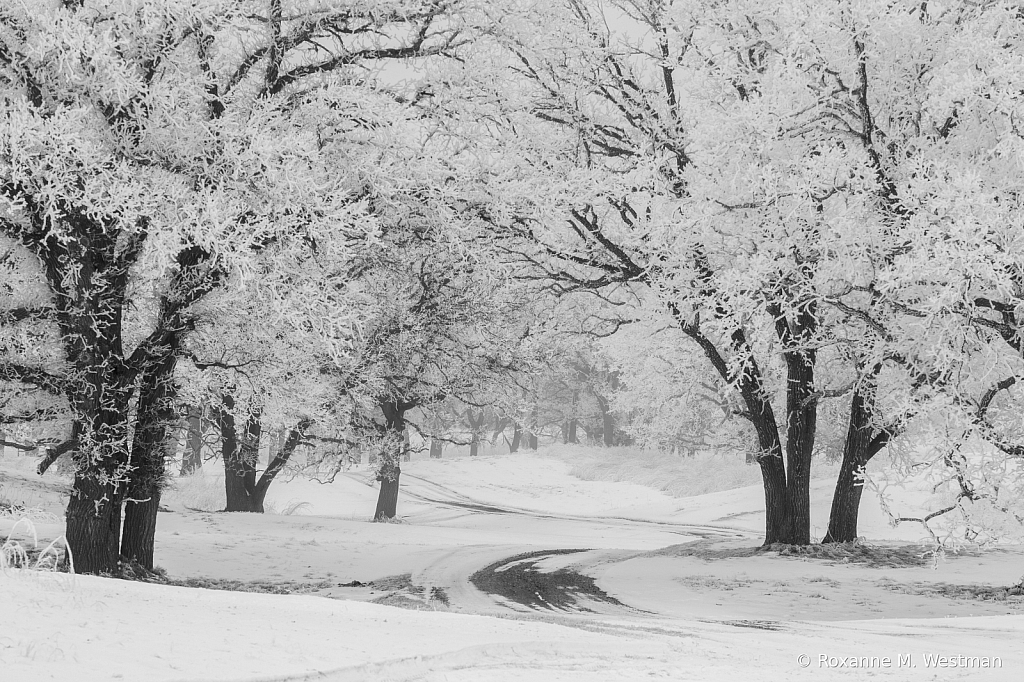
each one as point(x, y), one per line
point(862, 554)
point(1013, 595)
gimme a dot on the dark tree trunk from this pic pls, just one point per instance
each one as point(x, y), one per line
point(435, 448)
point(148, 458)
point(517, 437)
point(389, 470)
point(570, 434)
point(475, 424)
point(860, 446)
point(138, 535)
point(801, 416)
point(88, 259)
point(387, 500)
point(762, 416)
point(93, 517)
point(532, 441)
point(773, 478)
point(93, 526)
point(244, 492)
point(277, 463)
point(801, 408)
point(239, 460)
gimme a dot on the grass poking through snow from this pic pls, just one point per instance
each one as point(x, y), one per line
point(871, 556)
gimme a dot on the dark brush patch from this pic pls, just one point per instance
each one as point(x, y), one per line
point(518, 580)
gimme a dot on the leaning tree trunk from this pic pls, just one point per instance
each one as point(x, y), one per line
point(277, 464)
point(149, 457)
point(860, 446)
point(762, 416)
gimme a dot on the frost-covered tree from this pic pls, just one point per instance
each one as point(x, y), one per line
point(441, 325)
point(763, 176)
point(147, 152)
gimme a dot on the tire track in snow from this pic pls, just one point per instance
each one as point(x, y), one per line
point(454, 571)
point(461, 501)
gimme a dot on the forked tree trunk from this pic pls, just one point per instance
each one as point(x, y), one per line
point(475, 425)
point(244, 492)
point(148, 458)
point(239, 456)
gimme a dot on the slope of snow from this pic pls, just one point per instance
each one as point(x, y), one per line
point(86, 629)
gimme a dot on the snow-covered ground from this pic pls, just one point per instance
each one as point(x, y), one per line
point(661, 587)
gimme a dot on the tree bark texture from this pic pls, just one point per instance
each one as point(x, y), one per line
point(151, 450)
point(862, 443)
point(239, 453)
point(244, 493)
point(389, 470)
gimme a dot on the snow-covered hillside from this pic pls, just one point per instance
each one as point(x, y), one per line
point(475, 583)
